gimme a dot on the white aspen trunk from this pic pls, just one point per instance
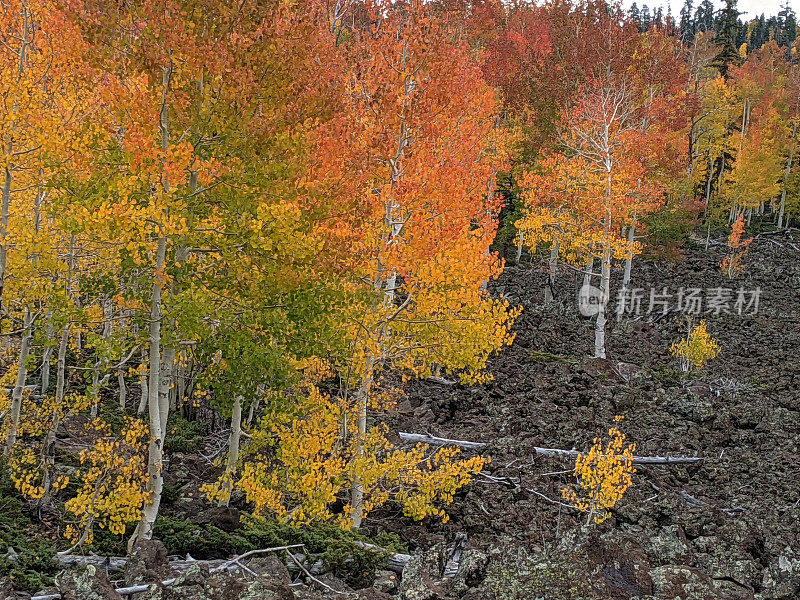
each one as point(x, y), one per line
point(394, 228)
point(123, 391)
point(164, 385)
point(587, 274)
point(101, 365)
point(549, 291)
point(233, 450)
point(600, 324)
point(786, 174)
point(143, 375)
point(357, 499)
point(19, 387)
point(8, 170)
point(4, 215)
point(94, 390)
point(49, 446)
point(520, 242)
point(626, 274)
point(47, 355)
point(155, 456)
point(61, 364)
point(708, 182)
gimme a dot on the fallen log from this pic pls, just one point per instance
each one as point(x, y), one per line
point(550, 452)
point(395, 561)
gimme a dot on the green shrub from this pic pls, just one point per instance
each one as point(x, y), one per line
point(32, 567)
point(337, 549)
point(184, 436)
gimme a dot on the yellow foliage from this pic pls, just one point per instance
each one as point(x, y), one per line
point(604, 475)
point(697, 349)
point(733, 264)
point(29, 469)
point(114, 472)
point(298, 470)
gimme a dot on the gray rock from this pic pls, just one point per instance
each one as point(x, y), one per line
point(385, 581)
point(89, 584)
point(670, 546)
point(421, 576)
point(682, 583)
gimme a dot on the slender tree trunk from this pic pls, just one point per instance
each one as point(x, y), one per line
point(19, 387)
point(157, 413)
point(4, 215)
point(49, 446)
point(357, 500)
point(233, 450)
point(600, 324)
point(786, 174)
point(552, 266)
point(47, 355)
point(520, 242)
point(708, 183)
point(155, 458)
point(626, 274)
point(101, 365)
point(164, 385)
point(143, 375)
point(123, 390)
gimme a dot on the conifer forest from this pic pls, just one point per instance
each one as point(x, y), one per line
point(399, 299)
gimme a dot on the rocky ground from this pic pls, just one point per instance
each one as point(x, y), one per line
point(726, 528)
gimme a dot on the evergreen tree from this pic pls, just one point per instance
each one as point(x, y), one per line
point(645, 22)
point(687, 25)
point(786, 31)
point(704, 16)
point(728, 34)
point(634, 15)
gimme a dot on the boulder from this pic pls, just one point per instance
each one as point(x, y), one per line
point(90, 584)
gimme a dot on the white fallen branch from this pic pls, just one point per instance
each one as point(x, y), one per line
point(551, 452)
point(126, 591)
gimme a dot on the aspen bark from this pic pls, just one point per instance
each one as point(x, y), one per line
point(357, 499)
point(19, 387)
point(786, 174)
point(155, 456)
point(233, 449)
point(394, 227)
point(626, 274)
point(123, 391)
point(600, 324)
point(552, 266)
point(143, 375)
point(46, 356)
point(4, 214)
point(49, 446)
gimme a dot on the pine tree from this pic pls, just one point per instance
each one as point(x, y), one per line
point(687, 24)
point(786, 32)
point(704, 16)
point(634, 15)
point(728, 30)
point(646, 19)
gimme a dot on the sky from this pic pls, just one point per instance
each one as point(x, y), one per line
point(750, 8)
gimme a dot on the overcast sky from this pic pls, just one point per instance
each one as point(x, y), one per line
point(751, 8)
